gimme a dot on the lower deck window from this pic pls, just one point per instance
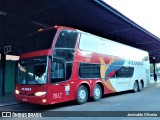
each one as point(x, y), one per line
point(87, 70)
point(57, 72)
point(123, 72)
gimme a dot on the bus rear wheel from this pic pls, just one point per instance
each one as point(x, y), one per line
point(135, 87)
point(97, 92)
point(140, 86)
point(82, 95)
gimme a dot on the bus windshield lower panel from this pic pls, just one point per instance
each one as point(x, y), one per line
point(32, 71)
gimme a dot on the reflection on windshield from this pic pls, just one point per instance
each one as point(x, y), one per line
point(32, 72)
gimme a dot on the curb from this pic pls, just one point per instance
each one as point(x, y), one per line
point(9, 104)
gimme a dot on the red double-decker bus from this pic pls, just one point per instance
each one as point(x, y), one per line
point(67, 64)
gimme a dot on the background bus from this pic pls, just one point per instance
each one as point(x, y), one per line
point(67, 64)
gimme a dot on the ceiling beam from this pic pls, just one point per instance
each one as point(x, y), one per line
point(51, 5)
point(22, 18)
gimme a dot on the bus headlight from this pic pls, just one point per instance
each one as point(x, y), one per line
point(40, 93)
point(17, 91)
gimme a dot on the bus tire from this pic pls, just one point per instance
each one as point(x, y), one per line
point(140, 86)
point(97, 92)
point(82, 95)
point(135, 87)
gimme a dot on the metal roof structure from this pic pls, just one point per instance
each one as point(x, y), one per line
point(20, 18)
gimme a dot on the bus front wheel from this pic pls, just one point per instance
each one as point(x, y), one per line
point(82, 95)
point(97, 92)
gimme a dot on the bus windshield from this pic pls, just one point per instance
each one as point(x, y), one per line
point(39, 41)
point(32, 71)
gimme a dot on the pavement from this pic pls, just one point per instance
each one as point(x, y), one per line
point(10, 100)
point(152, 81)
point(145, 101)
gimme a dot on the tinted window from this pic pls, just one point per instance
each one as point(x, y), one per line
point(65, 48)
point(89, 70)
point(57, 72)
point(39, 41)
point(124, 72)
point(66, 39)
point(66, 54)
point(68, 70)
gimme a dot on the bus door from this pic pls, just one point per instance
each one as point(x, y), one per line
point(60, 88)
point(123, 83)
point(120, 83)
point(124, 75)
point(57, 82)
point(120, 77)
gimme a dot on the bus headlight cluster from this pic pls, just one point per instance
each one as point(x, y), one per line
point(17, 91)
point(40, 93)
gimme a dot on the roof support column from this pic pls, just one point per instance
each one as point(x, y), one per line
point(2, 74)
point(154, 72)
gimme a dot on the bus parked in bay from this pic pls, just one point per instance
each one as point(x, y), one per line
point(67, 64)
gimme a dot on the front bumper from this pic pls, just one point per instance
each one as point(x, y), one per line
point(40, 100)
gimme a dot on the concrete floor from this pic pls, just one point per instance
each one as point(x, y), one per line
point(146, 100)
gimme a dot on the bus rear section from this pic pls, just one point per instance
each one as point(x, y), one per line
point(119, 66)
point(78, 65)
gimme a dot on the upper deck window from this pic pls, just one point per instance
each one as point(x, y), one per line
point(88, 43)
point(65, 45)
point(67, 39)
point(39, 41)
point(64, 49)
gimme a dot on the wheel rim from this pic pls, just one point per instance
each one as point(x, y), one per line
point(97, 92)
point(82, 95)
